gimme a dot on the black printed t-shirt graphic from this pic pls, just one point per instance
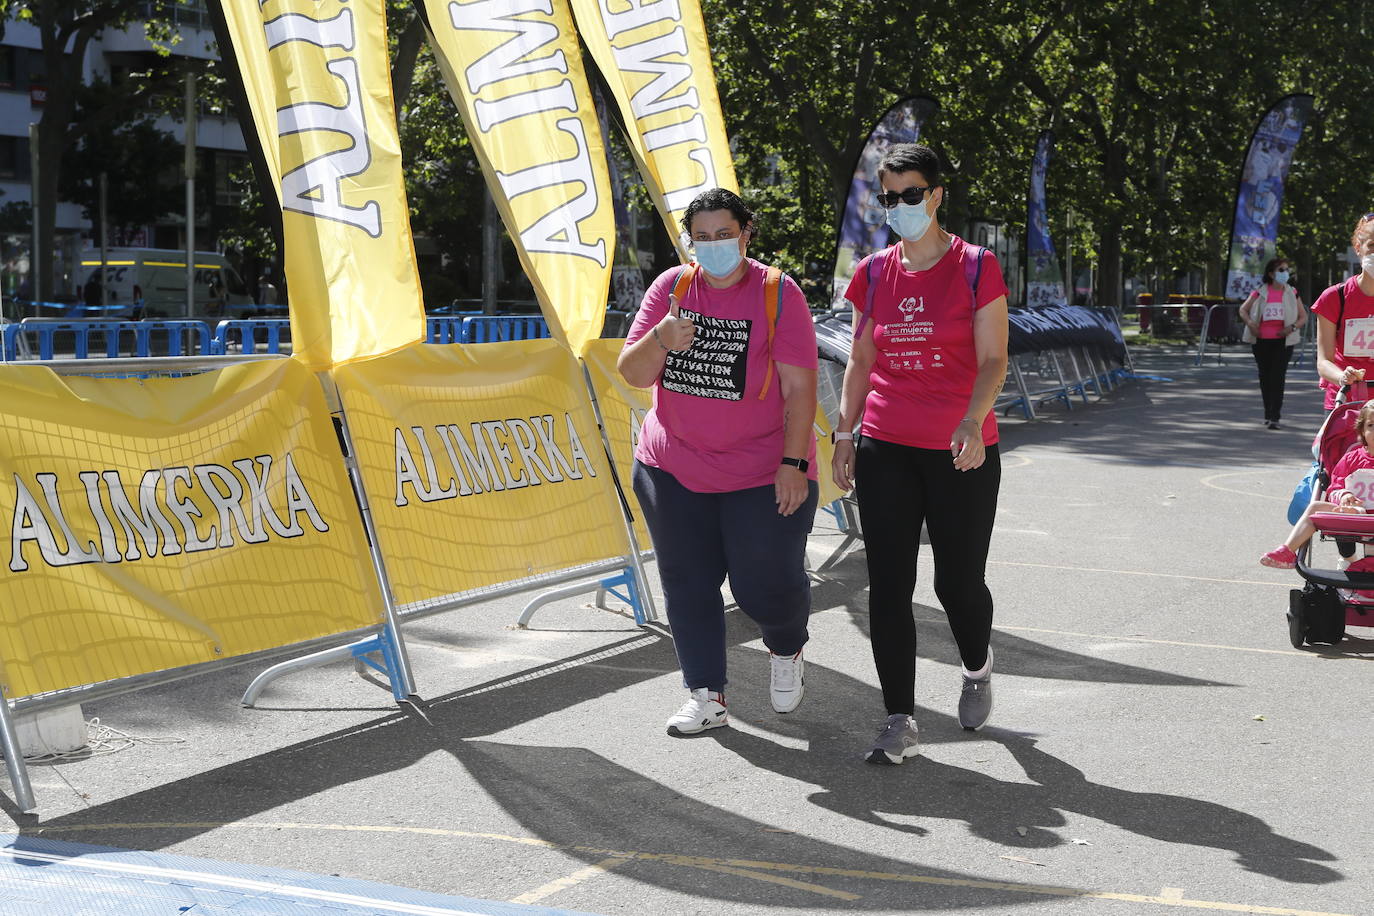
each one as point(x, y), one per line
point(717, 365)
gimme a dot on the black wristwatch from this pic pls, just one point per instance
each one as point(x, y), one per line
point(800, 464)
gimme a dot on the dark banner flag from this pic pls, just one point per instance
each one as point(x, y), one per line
point(863, 229)
point(1044, 283)
point(1260, 195)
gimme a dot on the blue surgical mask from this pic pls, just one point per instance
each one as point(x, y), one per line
point(910, 221)
point(1280, 276)
point(719, 258)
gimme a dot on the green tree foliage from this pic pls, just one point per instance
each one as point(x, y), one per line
point(142, 166)
point(1152, 103)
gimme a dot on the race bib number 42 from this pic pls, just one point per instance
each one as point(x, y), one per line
point(1359, 337)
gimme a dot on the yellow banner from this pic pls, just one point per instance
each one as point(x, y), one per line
point(482, 465)
point(622, 410)
point(656, 59)
point(318, 80)
point(514, 68)
point(161, 523)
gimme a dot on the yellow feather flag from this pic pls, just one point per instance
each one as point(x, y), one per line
point(655, 57)
point(318, 79)
point(514, 68)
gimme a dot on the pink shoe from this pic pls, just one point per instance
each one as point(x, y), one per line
point(1281, 557)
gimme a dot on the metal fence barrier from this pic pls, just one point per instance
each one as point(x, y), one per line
point(111, 339)
point(246, 331)
point(491, 328)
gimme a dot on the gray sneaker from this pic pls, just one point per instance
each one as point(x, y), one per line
point(975, 700)
point(896, 742)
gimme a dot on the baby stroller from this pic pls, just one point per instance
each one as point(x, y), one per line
point(1333, 599)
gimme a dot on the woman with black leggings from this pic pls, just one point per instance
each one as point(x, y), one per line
point(928, 360)
point(1274, 317)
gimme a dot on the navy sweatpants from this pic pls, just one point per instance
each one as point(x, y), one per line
point(700, 539)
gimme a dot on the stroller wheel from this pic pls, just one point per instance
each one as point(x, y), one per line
point(1297, 631)
point(1346, 547)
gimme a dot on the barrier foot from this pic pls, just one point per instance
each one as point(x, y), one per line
point(14, 761)
point(357, 651)
point(625, 579)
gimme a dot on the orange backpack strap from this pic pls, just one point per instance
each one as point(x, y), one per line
point(684, 281)
point(772, 305)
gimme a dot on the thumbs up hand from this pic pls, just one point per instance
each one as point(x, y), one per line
point(674, 331)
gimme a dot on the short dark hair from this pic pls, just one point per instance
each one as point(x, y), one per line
point(911, 157)
point(718, 199)
point(1270, 266)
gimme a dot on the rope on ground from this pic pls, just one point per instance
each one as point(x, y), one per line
point(101, 740)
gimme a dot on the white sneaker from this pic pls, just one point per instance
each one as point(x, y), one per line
point(703, 710)
point(786, 686)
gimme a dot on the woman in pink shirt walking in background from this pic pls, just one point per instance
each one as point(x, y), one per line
point(723, 466)
point(928, 360)
point(1274, 317)
point(1345, 322)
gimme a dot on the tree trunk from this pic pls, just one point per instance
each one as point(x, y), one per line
point(52, 139)
point(1109, 264)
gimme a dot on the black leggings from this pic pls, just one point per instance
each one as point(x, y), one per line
point(1271, 359)
point(898, 488)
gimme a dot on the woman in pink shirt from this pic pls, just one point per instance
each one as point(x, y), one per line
point(723, 463)
point(928, 360)
point(1345, 321)
point(1274, 317)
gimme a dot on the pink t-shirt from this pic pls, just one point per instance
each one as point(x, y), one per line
point(708, 427)
point(1354, 334)
point(922, 325)
point(1271, 315)
point(1354, 473)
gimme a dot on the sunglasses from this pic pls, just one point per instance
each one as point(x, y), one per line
point(1367, 217)
point(889, 199)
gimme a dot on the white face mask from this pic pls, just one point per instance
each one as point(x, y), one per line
point(1367, 263)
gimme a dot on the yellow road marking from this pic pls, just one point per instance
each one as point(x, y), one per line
point(1136, 572)
point(738, 865)
point(1207, 482)
point(771, 879)
point(576, 878)
point(1172, 893)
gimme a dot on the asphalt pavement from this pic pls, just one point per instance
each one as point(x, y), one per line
point(1156, 743)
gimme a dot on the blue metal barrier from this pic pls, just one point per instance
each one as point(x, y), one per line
point(491, 328)
point(81, 331)
point(443, 330)
point(176, 331)
point(247, 330)
point(137, 334)
point(11, 341)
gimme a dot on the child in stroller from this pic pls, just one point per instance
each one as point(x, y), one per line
point(1342, 510)
point(1351, 478)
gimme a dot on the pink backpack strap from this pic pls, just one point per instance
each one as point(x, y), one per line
point(973, 272)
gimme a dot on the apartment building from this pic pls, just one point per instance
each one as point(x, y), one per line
point(220, 149)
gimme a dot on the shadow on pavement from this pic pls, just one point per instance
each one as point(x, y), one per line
point(577, 798)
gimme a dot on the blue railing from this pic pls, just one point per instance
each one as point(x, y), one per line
point(88, 338)
point(246, 332)
point(491, 328)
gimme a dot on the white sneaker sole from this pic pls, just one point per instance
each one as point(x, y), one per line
point(679, 731)
point(879, 756)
